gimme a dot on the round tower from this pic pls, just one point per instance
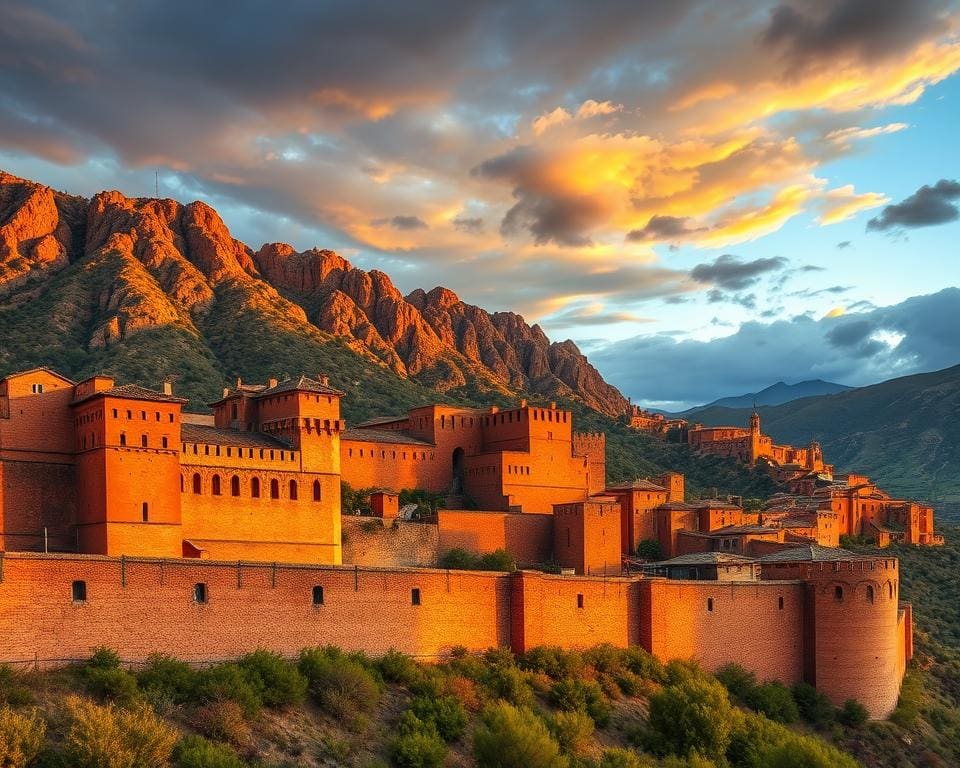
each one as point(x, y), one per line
point(855, 644)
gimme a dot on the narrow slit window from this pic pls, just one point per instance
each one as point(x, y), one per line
point(710, 604)
point(415, 596)
point(145, 512)
point(318, 595)
point(579, 600)
point(200, 593)
point(838, 593)
point(316, 490)
point(780, 603)
point(78, 591)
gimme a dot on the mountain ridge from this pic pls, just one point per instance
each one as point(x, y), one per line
point(776, 394)
point(177, 263)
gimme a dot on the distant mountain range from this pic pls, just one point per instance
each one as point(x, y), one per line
point(904, 433)
point(775, 394)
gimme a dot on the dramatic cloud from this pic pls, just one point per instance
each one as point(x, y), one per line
point(664, 229)
point(729, 272)
point(924, 208)
point(468, 224)
point(855, 348)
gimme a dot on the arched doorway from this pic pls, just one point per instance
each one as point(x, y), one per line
point(457, 488)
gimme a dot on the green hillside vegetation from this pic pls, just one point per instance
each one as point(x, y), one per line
point(904, 433)
point(600, 708)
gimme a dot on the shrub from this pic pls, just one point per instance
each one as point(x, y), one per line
point(222, 720)
point(648, 549)
point(103, 658)
point(552, 661)
point(458, 559)
point(11, 691)
point(572, 730)
point(169, 678)
point(498, 560)
point(853, 713)
point(757, 742)
point(418, 749)
point(396, 667)
point(106, 737)
point(805, 752)
point(278, 683)
point(513, 737)
point(113, 684)
point(620, 758)
point(340, 685)
point(196, 752)
point(605, 658)
point(774, 700)
point(21, 737)
point(693, 715)
point(508, 683)
point(227, 682)
point(737, 680)
point(814, 707)
point(581, 695)
point(446, 713)
point(644, 664)
point(464, 690)
point(911, 698)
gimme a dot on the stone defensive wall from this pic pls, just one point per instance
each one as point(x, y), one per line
point(59, 607)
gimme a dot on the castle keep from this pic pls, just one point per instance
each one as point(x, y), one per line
point(125, 521)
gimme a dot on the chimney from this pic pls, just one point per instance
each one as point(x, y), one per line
point(168, 387)
point(239, 382)
point(523, 403)
point(553, 406)
point(271, 383)
point(324, 379)
point(226, 391)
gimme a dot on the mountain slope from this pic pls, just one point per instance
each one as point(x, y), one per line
point(179, 271)
point(905, 433)
point(775, 394)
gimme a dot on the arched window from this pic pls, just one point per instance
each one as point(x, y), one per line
point(838, 593)
point(274, 489)
point(316, 490)
point(234, 486)
point(123, 438)
point(293, 490)
point(215, 485)
point(869, 594)
point(255, 487)
point(196, 482)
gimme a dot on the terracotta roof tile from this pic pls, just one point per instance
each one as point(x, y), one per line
point(199, 433)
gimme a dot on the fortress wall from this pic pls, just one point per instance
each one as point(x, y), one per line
point(395, 466)
point(528, 537)
point(370, 541)
point(746, 624)
point(139, 607)
point(35, 495)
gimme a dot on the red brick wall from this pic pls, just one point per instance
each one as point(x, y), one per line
point(528, 537)
point(746, 625)
point(388, 543)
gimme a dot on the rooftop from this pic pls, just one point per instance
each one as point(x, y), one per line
point(380, 420)
point(199, 433)
point(636, 485)
point(134, 392)
point(301, 384)
point(708, 558)
point(806, 553)
point(382, 436)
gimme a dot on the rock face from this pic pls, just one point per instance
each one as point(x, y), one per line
point(169, 262)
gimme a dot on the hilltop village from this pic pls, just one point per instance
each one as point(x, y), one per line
point(126, 521)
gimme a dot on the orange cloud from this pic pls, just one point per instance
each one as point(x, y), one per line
point(843, 203)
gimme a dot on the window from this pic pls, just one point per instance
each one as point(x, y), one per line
point(318, 595)
point(780, 603)
point(145, 512)
point(274, 489)
point(316, 490)
point(157, 414)
point(181, 483)
point(143, 415)
point(234, 486)
point(838, 593)
point(869, 594)
point(196, 482)
point(123, 438)
point(415, 596)
point(579, 600)
point(710, 604)
point(255, 488)
point(143, 441)
point(37, 389)
point(114, 413)
point(79, 591)
point(200, 593)
point(293, 490)
point(129, 414)
point(215, 485)
point(163, 441)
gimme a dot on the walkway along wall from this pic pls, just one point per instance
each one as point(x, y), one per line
point(60, 607)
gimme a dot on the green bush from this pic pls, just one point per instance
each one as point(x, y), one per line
point(514, 737)
point(853, 713)
point(507, 683)
point(418, 749)
point(112, 684)
point(498, 560)
point(644, 664)
point(774, 700)
point(814, 707)
point(739, 681)
point(12, 691)
point(757, 742)
point(340, 685)
point(107, 737)
point(21, 737)
point(621, 758)
point(103, 658)
point(552, 661)
point(168, 678)
point(227, 682)
point(460, 559)
point(910, 701)
point(692, 715)
point(581, 695)
point(278, 683)
point(396, 667)
point(805, 752)
point(446, 713)
point(648, 549)
point(572, 730)
point(196, 752)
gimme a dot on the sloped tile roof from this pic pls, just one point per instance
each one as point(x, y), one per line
point(200, 433)
point(134, 392)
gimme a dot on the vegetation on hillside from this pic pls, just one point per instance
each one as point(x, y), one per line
point(600, 708)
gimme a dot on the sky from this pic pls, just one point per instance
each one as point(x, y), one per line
point(706, 197)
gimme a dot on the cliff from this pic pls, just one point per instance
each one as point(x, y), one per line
point(132, 265)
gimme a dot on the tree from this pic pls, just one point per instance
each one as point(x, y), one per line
point(514, 737)
point(692, 715)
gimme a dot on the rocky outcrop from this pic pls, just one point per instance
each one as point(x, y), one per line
point(170, 263)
